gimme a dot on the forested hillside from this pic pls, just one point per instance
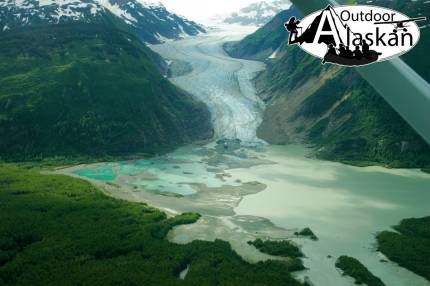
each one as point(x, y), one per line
point(88, 89)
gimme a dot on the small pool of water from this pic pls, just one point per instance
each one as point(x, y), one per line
point(107, 172)
point(176, 173)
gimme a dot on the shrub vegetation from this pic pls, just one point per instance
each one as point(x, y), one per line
point(354, 268)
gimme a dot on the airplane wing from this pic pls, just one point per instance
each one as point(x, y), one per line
point(405, 90)
point(403, 21)
point(418, 19)
point(390, 22)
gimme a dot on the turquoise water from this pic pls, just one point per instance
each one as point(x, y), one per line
point(107, 172)
point(176, 173)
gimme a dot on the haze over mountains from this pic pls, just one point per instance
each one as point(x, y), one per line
point(258, 13)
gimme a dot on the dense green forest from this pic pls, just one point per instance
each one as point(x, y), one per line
point(283, 248)
point(409, 246)
point(354, 268)
point(88, 89)
point(277, 248)
point(307, 232)
point(58, 230)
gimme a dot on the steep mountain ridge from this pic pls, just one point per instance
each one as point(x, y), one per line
point(88, 89)
point(148, 19)
point(335, 110)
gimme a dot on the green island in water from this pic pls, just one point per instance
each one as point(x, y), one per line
point(283, 248)
point(409, 246)
point(277, 248)
point(354, 268)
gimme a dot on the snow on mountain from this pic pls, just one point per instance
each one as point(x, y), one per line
point(149, 19)
point(15, 13)
point(152, 21)
point(258, 13)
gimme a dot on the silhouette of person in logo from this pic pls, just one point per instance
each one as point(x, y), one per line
point(336, 51)
point(291, 27)
point(332, 50)
point(342, 50)
point(360, 56)
point(348, 53)
point(357, 53)
point(365, 48)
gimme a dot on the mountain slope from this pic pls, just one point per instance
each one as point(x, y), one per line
point(77, 88)
point(338, 112)
point(258, 13)
point(149, 20)
point(265, 42)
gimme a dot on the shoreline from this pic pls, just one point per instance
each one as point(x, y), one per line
point(216, 205)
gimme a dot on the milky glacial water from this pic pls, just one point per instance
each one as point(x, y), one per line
point(244, 194)
point(345, 206)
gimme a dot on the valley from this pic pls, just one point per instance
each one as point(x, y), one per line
point(222, 83)
point(255, 190)
point(137, 146)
